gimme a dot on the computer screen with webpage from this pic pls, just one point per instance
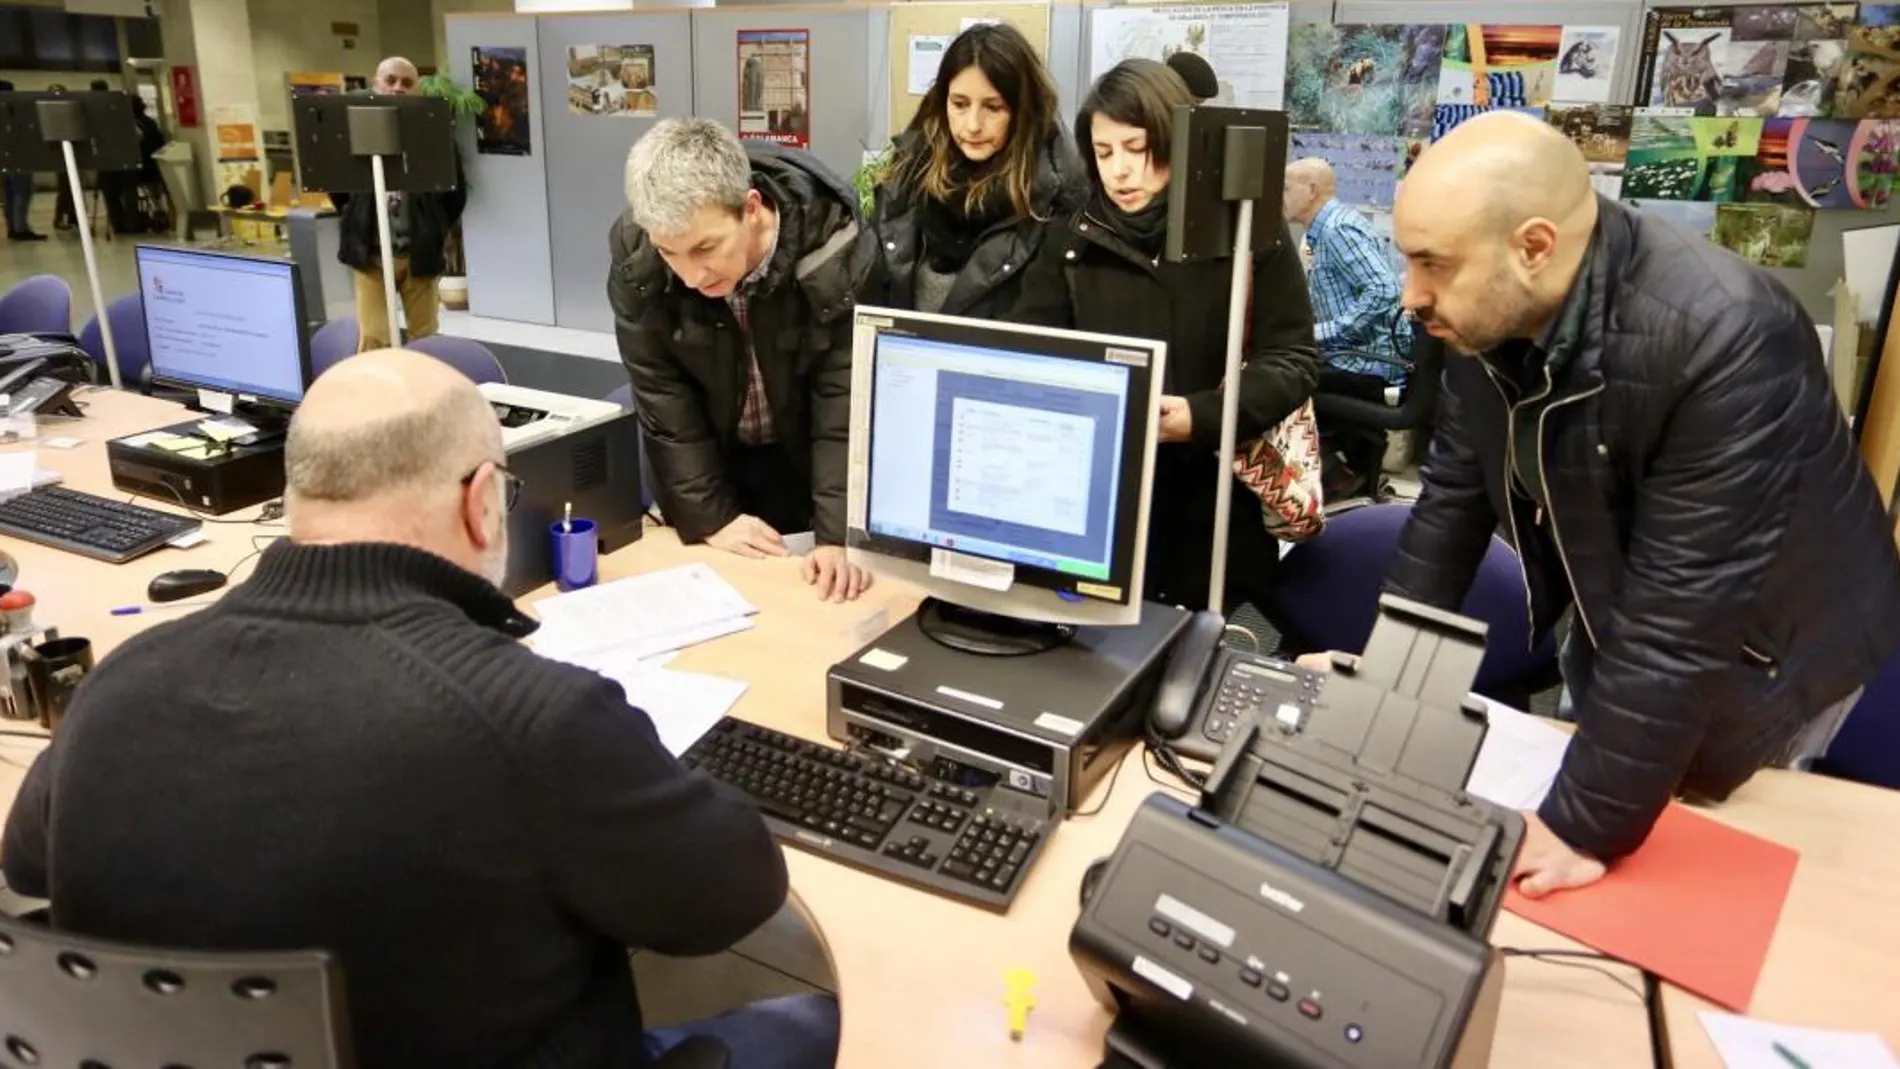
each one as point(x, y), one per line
point(1011, 456)
point(228, 323)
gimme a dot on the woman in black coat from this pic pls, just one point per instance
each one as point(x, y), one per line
point(1102, 270)
point(983, 169)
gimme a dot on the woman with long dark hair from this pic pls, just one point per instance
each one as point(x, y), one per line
point(1102, 270)
point(973, 181)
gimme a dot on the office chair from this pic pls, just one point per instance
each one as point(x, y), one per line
point(128, 339)
point(1326, 597)
point(1868, 746)
point(465, 355)
point(42, 304)
point(332, 342)
point(68, 1001)
point(623, 397)
point(1418, 403)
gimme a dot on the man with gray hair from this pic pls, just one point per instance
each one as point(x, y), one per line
point(353, 752)
point(419, 226)
point(735, 268)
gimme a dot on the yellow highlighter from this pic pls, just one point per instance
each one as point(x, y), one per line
point(1020, 998)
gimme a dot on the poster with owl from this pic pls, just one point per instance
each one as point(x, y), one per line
point(1717, 61)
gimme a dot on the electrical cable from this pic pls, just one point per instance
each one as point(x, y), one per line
point(1659, 1055)
point(1579, 959)
point(1103, 800)
point(264, 516)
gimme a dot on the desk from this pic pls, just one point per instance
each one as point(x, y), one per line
point(921, 978)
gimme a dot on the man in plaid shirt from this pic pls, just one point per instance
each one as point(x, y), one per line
point(1355, 296)
point(735, 270)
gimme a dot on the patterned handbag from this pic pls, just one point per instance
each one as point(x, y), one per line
point(1282, 468)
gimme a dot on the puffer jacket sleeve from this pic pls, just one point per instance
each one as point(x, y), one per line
point(689, 478)
point(1044, 299)
point(1445, 539)
point(1711, 513)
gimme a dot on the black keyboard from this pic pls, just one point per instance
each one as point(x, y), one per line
point(876, 814)
point(89, 525)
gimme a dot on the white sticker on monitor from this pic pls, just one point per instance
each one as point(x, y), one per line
point(216, 401)
point(883, 660)
point(971, 571)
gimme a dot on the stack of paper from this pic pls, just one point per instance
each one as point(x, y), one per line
point(1746, 1043)
point(641, 617)
point(1519, 759)
point(626, 629)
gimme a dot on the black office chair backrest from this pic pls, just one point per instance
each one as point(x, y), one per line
point(68, 1002)
point(1417, 404)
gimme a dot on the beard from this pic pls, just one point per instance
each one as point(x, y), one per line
point(1507, 310)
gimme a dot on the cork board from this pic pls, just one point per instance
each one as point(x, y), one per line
point(946, 20)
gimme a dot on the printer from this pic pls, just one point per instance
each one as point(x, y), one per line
point(529, 416)
point(1329, 901)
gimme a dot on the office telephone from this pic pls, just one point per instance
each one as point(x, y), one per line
point(32, 386)
point(1207, 689)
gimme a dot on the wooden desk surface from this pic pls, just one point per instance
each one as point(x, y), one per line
point(921, 978)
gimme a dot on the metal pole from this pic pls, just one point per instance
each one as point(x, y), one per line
point(1230, 401)
point(92, 262)
point(389, 253)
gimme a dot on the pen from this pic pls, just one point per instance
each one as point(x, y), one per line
point(134, 610)
point(1790, 1057)
point(567, 518)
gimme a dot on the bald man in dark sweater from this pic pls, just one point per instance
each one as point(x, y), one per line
point(352, 752)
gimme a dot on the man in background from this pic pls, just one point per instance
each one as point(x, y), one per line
point(355, 753)
point(419, 228)
point(1650, 419)
point(1355, 295)
point(734, 271)
point(16, 197)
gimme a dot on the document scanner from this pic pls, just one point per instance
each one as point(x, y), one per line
point(529, 416)
point(1329, 901)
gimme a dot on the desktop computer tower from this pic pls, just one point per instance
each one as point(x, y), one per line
point(594, 470)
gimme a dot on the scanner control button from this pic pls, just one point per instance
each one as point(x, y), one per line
point(1277, 991)
point(1184, 940)
point(1354, 1033)
point(1250, 977)
point(1210, 955)
point(1310, 1008)
point(1158, 927)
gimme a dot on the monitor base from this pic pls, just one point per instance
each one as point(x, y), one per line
point(988, 634)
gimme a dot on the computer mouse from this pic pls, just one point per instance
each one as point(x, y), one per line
point(184, 583)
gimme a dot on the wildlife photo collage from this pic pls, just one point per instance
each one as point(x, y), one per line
point(1746, 120)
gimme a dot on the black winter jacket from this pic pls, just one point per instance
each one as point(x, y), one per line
point(1087, 278)
point(687, 356)
point(1709, 516)
point(990, 282)
point(431, 217)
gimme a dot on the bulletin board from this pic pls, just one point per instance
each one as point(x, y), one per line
point(947, 20)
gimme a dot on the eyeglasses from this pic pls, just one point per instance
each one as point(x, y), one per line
point(510, 481)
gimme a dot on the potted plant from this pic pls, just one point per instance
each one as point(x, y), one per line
point(466, 104)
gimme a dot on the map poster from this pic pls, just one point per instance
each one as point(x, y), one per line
point(775, 86)
point(1244, 43)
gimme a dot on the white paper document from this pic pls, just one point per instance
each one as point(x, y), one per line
point(1246, 44)
point(641, 616)
point(1746, 1043)
point(682, 705)
point(17, 472)
point(926, 55)
point(1519, 759)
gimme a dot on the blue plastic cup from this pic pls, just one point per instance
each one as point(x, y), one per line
point(576, 554)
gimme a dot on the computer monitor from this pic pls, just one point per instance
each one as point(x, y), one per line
point(225, 323)
point(1003, 468)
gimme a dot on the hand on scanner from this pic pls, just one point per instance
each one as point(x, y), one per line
point(1315, 662)
point(836, 578)
point(1177, 422)
point(1546, 863)
point(748, 536)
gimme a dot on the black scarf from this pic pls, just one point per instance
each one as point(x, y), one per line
point(951, 227)
point(1146, 230)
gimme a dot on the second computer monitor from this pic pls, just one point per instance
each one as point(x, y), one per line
point(1003, 468)
point(225, 323)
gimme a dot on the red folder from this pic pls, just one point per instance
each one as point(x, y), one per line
point(1697, 906)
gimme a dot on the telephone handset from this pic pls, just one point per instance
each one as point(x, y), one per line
point(33, 387)
point(1206, 690)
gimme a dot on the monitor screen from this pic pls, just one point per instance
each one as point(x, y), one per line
point(233, 324)
point(1009, 445)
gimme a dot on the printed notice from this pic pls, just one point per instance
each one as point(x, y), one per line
point(1027, 466)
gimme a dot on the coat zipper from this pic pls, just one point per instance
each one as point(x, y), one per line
point(1510, 510)
point(1543, 477)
